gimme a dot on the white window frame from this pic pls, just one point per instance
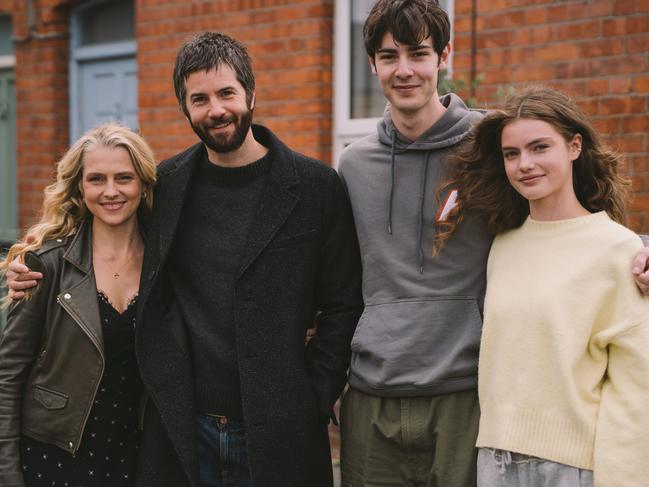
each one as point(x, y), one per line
point(347, 129)
point(7, 61)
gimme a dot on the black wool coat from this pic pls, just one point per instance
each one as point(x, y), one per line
point(301, 265)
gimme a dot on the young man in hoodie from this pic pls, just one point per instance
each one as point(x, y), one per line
point(410, 416)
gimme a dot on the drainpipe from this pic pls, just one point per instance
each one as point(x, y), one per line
point(474, 46)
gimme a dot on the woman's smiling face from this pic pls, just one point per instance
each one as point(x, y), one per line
point(111, 188)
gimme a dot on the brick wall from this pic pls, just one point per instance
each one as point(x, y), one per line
point(290, 42)
point(595, 50)
point(41, 98)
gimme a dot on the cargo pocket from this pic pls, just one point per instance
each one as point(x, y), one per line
point(50, 399)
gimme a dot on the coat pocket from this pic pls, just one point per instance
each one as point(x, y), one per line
point(50, 399)
point(290, 240)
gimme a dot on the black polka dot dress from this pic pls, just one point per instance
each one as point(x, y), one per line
point(107, 456)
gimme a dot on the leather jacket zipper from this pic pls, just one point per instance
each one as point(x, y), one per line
point(72, 448)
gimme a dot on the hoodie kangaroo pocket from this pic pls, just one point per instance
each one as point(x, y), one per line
point(413, 344)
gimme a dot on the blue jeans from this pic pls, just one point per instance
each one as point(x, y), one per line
point(222, 454)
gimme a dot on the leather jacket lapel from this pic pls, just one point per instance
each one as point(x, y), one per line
point(80, 302)
point(79, 293)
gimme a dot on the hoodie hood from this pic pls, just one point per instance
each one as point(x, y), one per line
point(450, 129)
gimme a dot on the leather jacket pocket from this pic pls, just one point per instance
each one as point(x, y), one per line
point(50, 399)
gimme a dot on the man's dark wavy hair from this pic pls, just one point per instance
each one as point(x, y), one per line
point(409, 22)
point(210, 50)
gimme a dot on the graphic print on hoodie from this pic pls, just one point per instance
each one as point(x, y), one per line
point(420, 331)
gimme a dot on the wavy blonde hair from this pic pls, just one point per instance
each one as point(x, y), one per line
point(63, 206)
point(477, 169)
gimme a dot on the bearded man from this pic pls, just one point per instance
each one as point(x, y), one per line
point(249, 245)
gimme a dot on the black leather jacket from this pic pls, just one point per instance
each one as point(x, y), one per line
point(51, 354)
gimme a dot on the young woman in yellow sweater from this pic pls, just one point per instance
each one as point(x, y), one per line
point(564, 360)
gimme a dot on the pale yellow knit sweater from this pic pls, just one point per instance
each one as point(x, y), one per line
point(564, 358)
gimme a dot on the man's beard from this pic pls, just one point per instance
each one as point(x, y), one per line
point(225, 142)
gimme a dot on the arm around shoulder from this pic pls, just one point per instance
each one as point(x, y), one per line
point(19, 348)
point(640, 267)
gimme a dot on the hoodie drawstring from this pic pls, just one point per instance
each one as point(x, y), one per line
point(422, 201)
point(394, 138)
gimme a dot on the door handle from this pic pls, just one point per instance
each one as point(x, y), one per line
point(4, 109)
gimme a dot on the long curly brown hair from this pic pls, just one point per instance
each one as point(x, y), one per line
point(477, 171)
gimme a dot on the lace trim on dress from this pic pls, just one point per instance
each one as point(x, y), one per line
point(104, 297)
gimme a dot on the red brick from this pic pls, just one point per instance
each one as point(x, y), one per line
point(614, 27)
point(638, 43)
point(642, 84)
point(589, 106)
point(601, 47)
point(623, 7)
point(493, 39)
point(609, 125)
point(640, 202)
point(636, 25)
point(629, 143)
point(500, 20)
point(621, 85)
point(638, 183)
point(597, 87)
point(621, 105)
point(463, 7)
point(577, 30)
point(556, 53)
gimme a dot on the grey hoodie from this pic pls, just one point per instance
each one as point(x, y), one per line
point(420, 331)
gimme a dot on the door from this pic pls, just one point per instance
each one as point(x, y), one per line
point(103, 68)
point(108, 91)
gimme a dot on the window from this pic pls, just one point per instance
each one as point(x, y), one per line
point(106, 23)
point(358, 101)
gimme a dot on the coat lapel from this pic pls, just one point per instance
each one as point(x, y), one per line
point(171, 195)
point(277, 200)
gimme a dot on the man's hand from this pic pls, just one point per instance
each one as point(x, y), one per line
point(19, 278)
point(641, 270)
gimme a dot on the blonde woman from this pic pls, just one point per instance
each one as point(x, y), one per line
point(69, 386)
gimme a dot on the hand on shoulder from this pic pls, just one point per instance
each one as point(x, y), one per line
point(20, 278)
point(640, 270)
